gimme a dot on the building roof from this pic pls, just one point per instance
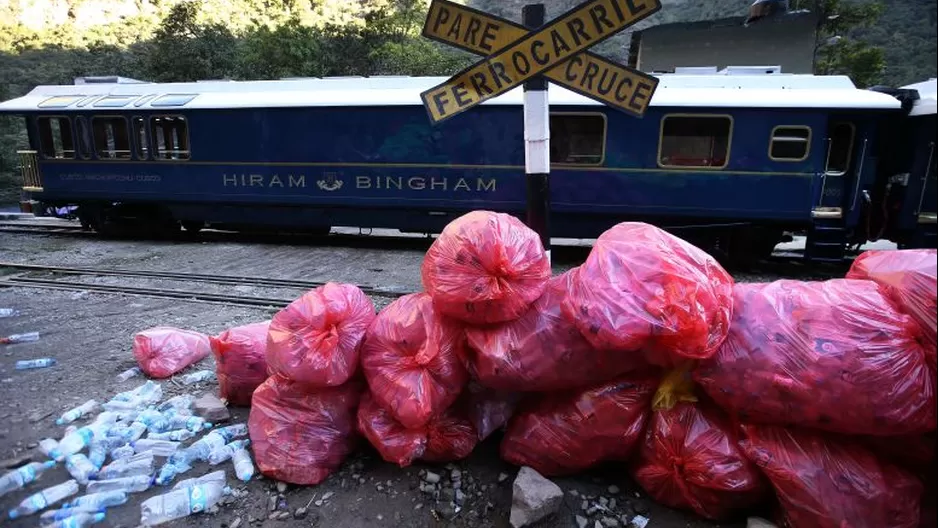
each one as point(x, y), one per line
point(724, 90)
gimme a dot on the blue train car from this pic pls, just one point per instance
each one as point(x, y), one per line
point(732, 160)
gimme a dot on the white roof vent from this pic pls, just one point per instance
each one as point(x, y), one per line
point(107, 79)
point(695, 70)
point(751, 70)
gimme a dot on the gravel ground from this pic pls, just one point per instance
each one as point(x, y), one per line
point(90, 336)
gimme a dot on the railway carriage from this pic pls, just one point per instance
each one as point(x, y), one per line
point(731, 159)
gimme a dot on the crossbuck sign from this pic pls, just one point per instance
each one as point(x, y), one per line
point(555, 50)
point(528, 55)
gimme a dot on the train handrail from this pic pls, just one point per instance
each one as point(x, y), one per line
point(856, 190)
point(827, 161)
point(921, 197)
point(29, 170)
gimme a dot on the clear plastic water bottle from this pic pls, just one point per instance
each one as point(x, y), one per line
point(78, 412)
point(129, 373)
point(225, 453)
point(214, 476)
point(170, 470)
point(136, 465)
point(51, 517)
point(44, 499)
point(27, 364)
point(179, 435)
point(46, 445)
point(162, 448)
point(100, 447)
point(123, 452)
point(78, 440)
point(181, 503)
point(146, 390)
point(100, 501)
point(20, 338)
point(153, 420)
point(183, 401)
point(8, 312)
point(20, 477)
point(231, 432)
point(192, 423)
point(81, 520)
point(198, 376)
point(125, 484)
point(244, 467)
point(80, 468)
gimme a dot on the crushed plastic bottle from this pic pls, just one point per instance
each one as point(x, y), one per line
point(192, 423)
point(198, 376)
point(81, 411)
point(224, 453)
point(153, 420)
point(51, 517)
point(123, 452)
point(214, 476)
point(44, 499)
point(126, 484)
point(162, 448)
point(178, 435)
point(136, 465)
point(8, 312)
point(20, 477)
point(46, 445)
point(181, 503)
point(244, 467)
point(147, 394)
point(183, 401)
point(170, 470)
point(129, 373)
point(76, 441)
point(100, 447)
point(80, 468)
point(100, 501)
point(81, 520)
point(19, 338)
point(28, 364)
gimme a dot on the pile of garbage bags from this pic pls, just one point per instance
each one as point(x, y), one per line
point(719, 398)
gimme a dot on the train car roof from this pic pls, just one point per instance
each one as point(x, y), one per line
point(674, 90)
point(927, 103)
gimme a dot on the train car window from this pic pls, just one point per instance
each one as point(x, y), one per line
point(140, 136)
point(790, 143)
point(59, 101)
point(170, 137)
point(695, 141)
point(840, 148)
point(84, 137)
point(55, 138)
point(111, 138)
point(115, 101)
point(577, 139)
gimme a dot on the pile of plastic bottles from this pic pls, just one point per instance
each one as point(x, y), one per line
point(116, 454)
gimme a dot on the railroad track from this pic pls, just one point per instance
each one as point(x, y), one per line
point(75, 285)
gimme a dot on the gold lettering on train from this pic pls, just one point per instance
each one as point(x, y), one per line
point(260, 180)
point(396, 183)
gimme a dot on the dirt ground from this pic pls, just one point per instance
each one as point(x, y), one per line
point(90, 335)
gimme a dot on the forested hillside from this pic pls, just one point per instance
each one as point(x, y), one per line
point(53, 41)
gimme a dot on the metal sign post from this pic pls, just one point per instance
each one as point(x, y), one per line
point(530, 55)
point(537, 141)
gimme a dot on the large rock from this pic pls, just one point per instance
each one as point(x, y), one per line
point(533, 498)
point(759, 522)
point(208, 406)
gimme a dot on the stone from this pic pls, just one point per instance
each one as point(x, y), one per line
point(612, 504)
point(448, 494)
point(379, 488)
point(431, 477)
point(640, 507)
point(327, 495)
point(533, 498)
point(597, 524)
point(235, 523)
point(39, 415)
point(460, 497)
point(640, 521)
point(603, 501)
point(759, 522)
point(502, 477)
point(613, 489)
point(446, 511)
point(300, 513)
point(581, 521)
point(455, 475)
point(17, 461)
point(318, 503)
point(213, 510)
point(610, 522)
point(574, 493)
point(281, 487)
point(585, 505)
point(272, 503)
point(211, 408)
point(284, 515)
point(418, 506)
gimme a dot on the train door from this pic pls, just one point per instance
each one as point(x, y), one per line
point(838, 168)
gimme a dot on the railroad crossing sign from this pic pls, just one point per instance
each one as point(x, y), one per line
point(557, 50)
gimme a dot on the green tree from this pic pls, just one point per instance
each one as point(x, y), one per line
point(835, 52)
point(183, 49)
